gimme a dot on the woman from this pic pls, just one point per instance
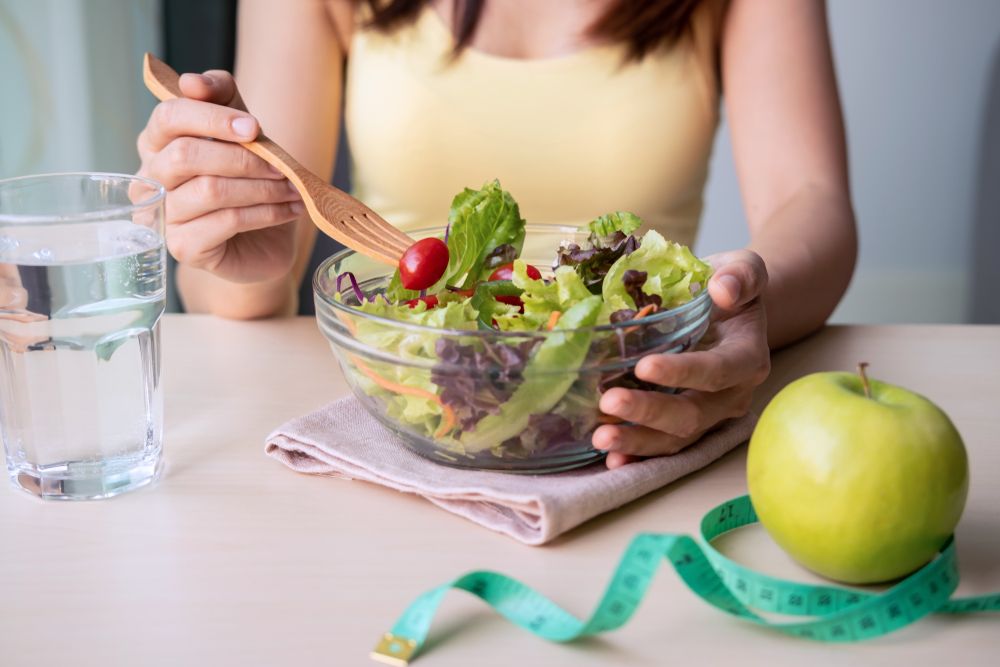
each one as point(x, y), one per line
point(578, 108)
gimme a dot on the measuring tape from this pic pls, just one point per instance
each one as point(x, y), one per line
point(836, 614)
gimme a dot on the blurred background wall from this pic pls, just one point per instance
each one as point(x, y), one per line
point(70, 90)
point(916, 79)
point(920, 83)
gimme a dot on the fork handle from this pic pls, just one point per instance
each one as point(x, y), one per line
point(164, 82)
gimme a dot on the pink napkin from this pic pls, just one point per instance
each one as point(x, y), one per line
point(343, 440)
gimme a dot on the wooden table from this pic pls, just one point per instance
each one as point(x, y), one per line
point(233, 559)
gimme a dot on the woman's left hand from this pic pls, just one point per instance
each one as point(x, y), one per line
point(715, 382)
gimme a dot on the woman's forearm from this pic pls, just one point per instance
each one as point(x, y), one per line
point(203, 292)
point(791, 157)
point(809, 246)
point(289, 64)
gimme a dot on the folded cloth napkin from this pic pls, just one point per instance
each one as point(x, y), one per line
point(343, 440)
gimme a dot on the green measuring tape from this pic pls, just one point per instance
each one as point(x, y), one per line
point(836, 614)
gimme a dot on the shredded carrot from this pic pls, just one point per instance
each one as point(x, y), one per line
point(609, 419)
point(447, 414)
point(349, 323)
point(645, 310)
point(553, 319)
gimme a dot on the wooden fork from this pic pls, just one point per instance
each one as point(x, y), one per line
point(333, 211)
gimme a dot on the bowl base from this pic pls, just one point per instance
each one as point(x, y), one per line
point(489, 463)
point(574, 455)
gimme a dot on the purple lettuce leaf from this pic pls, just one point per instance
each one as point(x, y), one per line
point(504, 253)
point(477, 378)
point(631, 342)
point(354, 285)
point(593, 261)
point(634, 280)
point(545, 432)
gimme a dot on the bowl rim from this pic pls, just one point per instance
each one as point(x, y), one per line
point(694, 304)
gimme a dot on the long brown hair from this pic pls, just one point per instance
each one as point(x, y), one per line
point(642, 24)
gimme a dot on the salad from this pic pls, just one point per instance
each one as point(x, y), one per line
point(524, 351)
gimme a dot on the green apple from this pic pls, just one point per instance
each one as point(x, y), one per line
point(858, 481)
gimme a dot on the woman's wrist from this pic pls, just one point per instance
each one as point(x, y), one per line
point(809, 246)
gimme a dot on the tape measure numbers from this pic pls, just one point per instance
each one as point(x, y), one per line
point(835, 614)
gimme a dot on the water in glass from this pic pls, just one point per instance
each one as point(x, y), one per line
point(80, 399)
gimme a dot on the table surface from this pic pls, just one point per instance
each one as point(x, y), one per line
point(233, 559)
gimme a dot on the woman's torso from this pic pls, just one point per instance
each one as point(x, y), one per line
point(571, 137)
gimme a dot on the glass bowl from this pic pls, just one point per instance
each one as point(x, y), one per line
point(508, 414)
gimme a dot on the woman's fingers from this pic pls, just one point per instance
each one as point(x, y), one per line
point(682, 420)
point(685, 415)
point(633, 441)
point(740, 276)
point(187, 157)
point(705, 370)
point(617, 460)
point(216, 189)
point(216, 86)
point(193, 118)
point(203, 194)
point(740, 356)
point(200, 241)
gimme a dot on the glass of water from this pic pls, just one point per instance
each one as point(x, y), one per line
point(82, 289)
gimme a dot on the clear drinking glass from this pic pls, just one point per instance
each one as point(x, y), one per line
point(82, 288)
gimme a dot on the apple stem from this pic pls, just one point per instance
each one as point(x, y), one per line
point(862, 365)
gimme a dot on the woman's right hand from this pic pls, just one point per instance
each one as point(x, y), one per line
point(227, 211)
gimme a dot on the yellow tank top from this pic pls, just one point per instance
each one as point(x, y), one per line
point(570, 137)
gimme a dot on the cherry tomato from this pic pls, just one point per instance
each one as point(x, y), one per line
point(506, 272)
point(430, 300)
point(423, 263)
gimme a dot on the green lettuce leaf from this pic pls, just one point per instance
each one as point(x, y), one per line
point(547, 377)
point(456, 314)
point(484, 300)
point(672, 271)
point(509, 318)
point(541, 299)
point(480, 221)
point(606, 225)
point(422, 413)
